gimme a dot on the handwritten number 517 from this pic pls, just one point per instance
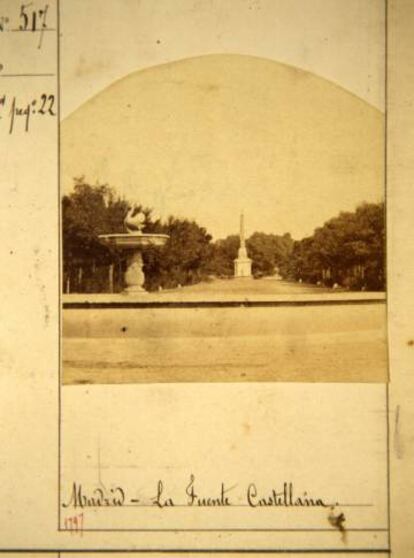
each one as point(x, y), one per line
point(37, 19)
point(37, 16)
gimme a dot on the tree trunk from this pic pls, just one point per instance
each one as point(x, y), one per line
point(111, 278)
point(80, 275)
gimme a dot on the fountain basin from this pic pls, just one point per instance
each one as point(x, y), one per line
point(137, 240)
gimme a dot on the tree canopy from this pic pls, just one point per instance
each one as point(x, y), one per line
point(348, 250)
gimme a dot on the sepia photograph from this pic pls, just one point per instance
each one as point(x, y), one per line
point(223, 213)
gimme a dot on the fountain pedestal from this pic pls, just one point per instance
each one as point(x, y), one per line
point(134, 244)
point(134, 275)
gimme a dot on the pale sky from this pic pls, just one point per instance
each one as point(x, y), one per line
point(339, 40)
point(294, 178)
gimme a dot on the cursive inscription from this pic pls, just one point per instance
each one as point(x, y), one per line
point(44, 106)
point(195, 499)
point(193, 495)
point(286, 498)
point(98, 497)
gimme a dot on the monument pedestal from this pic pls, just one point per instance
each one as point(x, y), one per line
point(243, 267)
point(242, 264)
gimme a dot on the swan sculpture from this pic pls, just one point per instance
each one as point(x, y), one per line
point(134, 220)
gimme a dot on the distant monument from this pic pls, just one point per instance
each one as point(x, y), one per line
point(242, 264)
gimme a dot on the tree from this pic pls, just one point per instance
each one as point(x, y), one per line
point(88, 212)
point(183, 260)
point(347, 250)
point(224, 252)
point(268, 252)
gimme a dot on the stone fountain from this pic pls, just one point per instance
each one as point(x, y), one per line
point(134, 242)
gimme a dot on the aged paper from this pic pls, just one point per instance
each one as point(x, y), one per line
point(206, 272)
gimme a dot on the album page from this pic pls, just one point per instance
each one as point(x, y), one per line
point(207, 279)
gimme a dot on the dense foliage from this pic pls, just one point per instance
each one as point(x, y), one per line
point(184, 258)
point(347, 250)
point(87, 212)
point(91, 266)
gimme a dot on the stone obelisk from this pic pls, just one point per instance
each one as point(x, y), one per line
point(242, 264)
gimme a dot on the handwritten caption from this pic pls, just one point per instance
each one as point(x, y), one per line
point(14, 111)
point(286, 495)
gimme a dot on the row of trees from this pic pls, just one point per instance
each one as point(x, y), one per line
point(347, 250)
